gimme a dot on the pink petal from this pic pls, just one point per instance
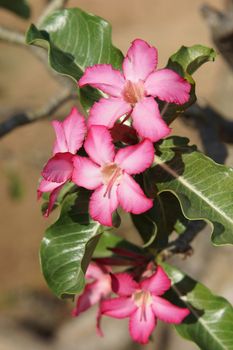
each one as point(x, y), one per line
point(99, 146)
point(94, 291)
point(92, 295)
point(102, 206)
point(70, 133)
point(168, 312)
point(52, 199)
point(158, 283)
point(118, 307)
point(94, 271)
point(60, 145)
point(47, 186)
point(141, 324)
point(135, 159)
point(131, 197)
point(168, 86)
point(105, 78)
point(59, 168)
point(98, 324)
point(107, 110)
point(86, 173)
point(148, 121)
point(123, 284)
point(141, 60)
point(54, 188)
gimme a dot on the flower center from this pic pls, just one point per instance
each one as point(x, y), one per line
point(142, 299)
point(133, 92)
point(111, 175)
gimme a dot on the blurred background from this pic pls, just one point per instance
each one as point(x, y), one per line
point(30, 317)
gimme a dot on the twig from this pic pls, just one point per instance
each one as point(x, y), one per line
point(12, 36)
point(182, 243)
point(23, 118)
point(52, 6)
point(213, 130)
point(17, 38)
point(221, 28)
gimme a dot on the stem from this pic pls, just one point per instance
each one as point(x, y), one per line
point(165, 107)
point(11, 36)
point(126, 117)
point(52, 6)
point(20, 119)
point(181, 245)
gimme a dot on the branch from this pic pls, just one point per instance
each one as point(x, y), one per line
point(52, 6)
point(221, 28)
point(17, 38)
point(23, 118)
point(12, 36)
point(213, 129)
point(181, 245)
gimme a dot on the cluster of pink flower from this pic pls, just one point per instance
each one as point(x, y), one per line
point(108, 172)
point(141, 300)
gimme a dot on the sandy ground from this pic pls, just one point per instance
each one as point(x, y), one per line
point(25, 84)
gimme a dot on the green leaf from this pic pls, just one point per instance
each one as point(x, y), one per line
point(68, 246)
point(203, 187)
point(188, 59)
point(75, 40)
point(159, 222)
point(185, 62)
point(210, 324)
point(19, 7)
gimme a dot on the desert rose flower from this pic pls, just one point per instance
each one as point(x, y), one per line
point(59, 169)
point(142, 303)
point(95, 291)
point(98, 288)
point(109, 174)
point(132, 92)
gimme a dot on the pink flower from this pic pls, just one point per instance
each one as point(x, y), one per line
point(59, 169)
point(132, 92)
point(142, 303)
point(109, 174)
point(95, 291)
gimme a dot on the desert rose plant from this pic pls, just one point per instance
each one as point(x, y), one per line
point(116, 153)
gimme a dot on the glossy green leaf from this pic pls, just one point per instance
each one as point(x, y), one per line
point(19, 7)
point(159, 222)
point(68, 246)
point(203, 187)
point(185, 62)
point(210, 323)
point(188, 59)
point(75, 40)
